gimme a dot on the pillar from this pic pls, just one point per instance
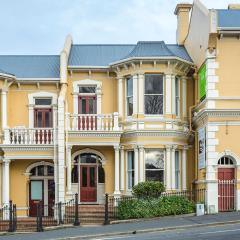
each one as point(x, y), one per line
point(69, 169)
point(122, 170)
point(168, 167)
point(141, 164)
point(5, 182)
point(135, 94)
point(120, 97)
point(184, 168)
point(173, 168)
point(116, 183)
point(4, 108)
point(136, 168)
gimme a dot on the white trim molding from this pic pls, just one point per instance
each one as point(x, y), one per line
point(87, 82)
point(36, 164)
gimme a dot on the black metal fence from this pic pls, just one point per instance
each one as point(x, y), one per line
point(8, 218)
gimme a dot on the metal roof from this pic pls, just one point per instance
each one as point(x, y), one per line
point(97, 54)
point(229, 18)
point(31, 66)
point(105, 54)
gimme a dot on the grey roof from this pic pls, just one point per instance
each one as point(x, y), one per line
point(31, 66)
point(4, 72)
point(97, 54)
point(229, 18)
point(104, 54)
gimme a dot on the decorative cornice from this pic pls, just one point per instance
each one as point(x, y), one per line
point(94, 134)
point(12, 148)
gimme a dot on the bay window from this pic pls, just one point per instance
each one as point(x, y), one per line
point(130, 169)
point(177, 95)
point(154, 165)
point(153, 95)
point(129, 94)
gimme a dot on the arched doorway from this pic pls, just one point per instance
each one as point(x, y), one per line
point(226, 184)
point(89, 174)
point(41, 187)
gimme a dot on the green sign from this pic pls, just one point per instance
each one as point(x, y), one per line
point(202, 81)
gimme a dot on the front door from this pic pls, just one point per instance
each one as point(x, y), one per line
point(88, 183)
point(43, 119)
point(226, 189)
point(87, 106)
point(36, 195)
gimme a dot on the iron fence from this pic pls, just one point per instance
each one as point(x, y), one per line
point(8, 218)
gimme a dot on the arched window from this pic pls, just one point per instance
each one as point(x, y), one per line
point(42, 170)
point(225, 160)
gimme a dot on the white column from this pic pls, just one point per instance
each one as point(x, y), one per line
point(5, 181)
point(184, 168)
point(136, 168)
point(120, 97)
point(141, 164)
point(173, 168)
point(168, 167)
point(141, 93)
point(173, 95)
point(69, 170)
point(4, 108)
point(122, 169)
point(168, 83)
point(116, 188)
point(184, 97)
point(135, 94)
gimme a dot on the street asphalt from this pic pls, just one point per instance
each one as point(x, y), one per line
point(193, 227)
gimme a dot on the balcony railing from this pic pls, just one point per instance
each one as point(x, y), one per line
point(28, 136)
point(93, 122)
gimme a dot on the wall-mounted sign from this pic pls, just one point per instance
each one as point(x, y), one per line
point(201, 148)
point(202, 82)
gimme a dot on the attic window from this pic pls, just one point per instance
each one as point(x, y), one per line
point(43, 101)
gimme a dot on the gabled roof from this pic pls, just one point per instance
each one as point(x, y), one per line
point(103, 55)
point(97, 54)
point(31, 66)
point(229, 19)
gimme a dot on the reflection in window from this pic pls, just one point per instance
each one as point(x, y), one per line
point(129, 96)
point(153, 96)
point(87, 89)
point(154, 165)
point(43, 101)
point(42, 170)
point(130, 169)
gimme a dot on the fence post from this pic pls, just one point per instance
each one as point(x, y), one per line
point(106, 217)
point(76, 217)
point(39, 217)
point(60, 220)
point(14, 217)
point(10, 208)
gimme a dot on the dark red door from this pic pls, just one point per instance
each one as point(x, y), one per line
point(87, 105)
point(43, 119)
point(36, 195)
point(88, 183)
point(51, 197)
point(226, 189)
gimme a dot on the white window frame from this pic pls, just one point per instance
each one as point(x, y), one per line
point(32, 106)
point(87, 83)
point(163, 110)
point(127, 170)
point(177, 96)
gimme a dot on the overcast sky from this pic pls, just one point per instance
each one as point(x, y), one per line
point(40, 26)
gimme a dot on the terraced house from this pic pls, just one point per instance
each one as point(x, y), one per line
point(100, 118)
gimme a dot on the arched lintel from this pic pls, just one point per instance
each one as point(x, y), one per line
point(232, 155)
point(90, 150)
point(36, 164)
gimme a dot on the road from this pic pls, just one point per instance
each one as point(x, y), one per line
point(224, 232)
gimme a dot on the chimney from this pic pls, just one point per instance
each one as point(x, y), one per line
point(182, 11)
point(233, 6)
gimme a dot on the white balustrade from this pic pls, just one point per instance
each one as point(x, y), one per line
point(93, 122)
point(28, 136)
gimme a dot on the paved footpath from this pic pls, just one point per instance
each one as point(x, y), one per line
point(160, 224)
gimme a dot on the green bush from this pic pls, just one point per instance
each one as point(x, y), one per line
point(149, 189)
point(154, 207)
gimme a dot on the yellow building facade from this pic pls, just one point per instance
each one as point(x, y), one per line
point(101, 118)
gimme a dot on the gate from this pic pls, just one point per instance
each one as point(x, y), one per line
point(226, 195)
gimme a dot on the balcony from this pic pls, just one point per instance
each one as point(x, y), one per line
point(93, 122)
point(28, 136)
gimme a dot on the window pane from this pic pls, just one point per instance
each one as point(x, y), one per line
point(130, 179)
point(43, 101)
point(153, 104)
point(130, 160)
point(36, 190)
point(129, 86)
point(154, 159)
point(154, 175)
point(101, 174)
point(33, 172)
point(40, 170)
point(92, 177)
point(50, 171)
point(39, 119)
point(129, 106)
point(84, 176)
point(87, 89)
point(88, 158)
point(177, 169)
point(75, 174)
point(48, 119)
point(83, 103)
point(153, 84)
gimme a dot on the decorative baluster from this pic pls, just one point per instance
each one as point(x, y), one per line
point(93, 122)
point(111, 122)
point(85, 123)
point(17, 136)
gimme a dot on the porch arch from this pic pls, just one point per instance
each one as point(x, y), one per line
point(36, 164)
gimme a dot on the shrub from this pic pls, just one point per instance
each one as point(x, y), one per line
point(148, 189)
point(154, 207)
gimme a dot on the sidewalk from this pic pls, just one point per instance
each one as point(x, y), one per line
point(160, 224)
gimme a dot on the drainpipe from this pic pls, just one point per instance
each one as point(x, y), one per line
point(60, 163)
